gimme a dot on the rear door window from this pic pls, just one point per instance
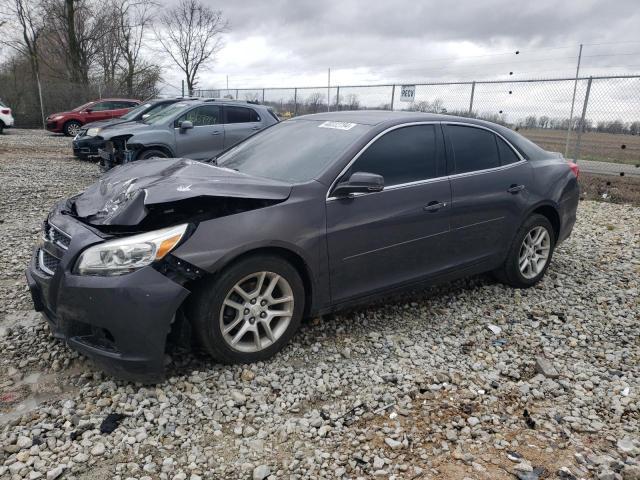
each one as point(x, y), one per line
point(240, 115)
point(202, 116)
point(507, 155)
point(403, 155)
point(473, 148)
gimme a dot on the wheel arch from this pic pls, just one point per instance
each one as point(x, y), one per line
point(288, 254)
point(550, 212)
point(140, 148)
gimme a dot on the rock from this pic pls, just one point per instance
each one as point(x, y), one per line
point(495, 329)
point(378, 463)
point(545, 367)
point(393, 444)
point(261, 472)
point(631, 472)
point(247, 375)
point(238, 397)
point(24, 442)
point(55, 472)
point(98, 449)
point(627, 446)
point(473, 421)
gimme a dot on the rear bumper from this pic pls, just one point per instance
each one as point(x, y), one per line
point(568, 209)
point(120, 322)
point(7, 121)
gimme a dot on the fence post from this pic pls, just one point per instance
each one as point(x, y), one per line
point(473, 91)
point(236, 94)
point(263, 95)
point(338, 98)
point(581, 126)
point(295, 102)
point(393, 94)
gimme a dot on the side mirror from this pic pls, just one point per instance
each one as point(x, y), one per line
point(145, 116)
point(359, 182)
point(186, 125)
point(89, 110)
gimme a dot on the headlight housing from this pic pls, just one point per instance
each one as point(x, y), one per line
point(58, 117)
point(124, 255)
point(93, 132)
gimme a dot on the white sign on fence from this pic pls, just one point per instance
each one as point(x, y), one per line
point(407, 93)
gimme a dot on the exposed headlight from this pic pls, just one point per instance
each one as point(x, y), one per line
point(124, 255)
point(92, 132)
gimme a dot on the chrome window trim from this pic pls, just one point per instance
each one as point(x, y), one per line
point(369, 143)
point(482, 127)
point(427, 180)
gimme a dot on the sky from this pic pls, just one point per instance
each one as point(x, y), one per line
point(289, 43)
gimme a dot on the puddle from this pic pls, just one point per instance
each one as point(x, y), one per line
point(28, 394)
point(27, 318)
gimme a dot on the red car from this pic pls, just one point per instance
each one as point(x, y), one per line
point(69, 122)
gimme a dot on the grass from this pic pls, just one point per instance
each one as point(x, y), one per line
point(604, 147)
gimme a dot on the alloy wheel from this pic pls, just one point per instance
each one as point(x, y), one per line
point(534, 252)
point(256, 312)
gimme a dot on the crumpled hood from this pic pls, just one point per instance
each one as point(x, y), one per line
point(122, 195)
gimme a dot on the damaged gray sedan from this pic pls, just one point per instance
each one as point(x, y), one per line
point(304, 218)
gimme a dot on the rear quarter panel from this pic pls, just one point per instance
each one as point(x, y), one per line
point(555, 184)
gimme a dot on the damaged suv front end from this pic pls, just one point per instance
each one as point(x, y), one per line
point(105, 275)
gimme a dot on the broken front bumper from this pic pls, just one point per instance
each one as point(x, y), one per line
point(121, 322)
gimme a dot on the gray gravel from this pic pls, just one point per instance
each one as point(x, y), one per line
point(418, 386)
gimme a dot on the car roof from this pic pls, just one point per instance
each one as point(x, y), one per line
point(116, 99)
point(388, 118)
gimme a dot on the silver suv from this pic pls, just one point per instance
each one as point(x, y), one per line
point(197, 129)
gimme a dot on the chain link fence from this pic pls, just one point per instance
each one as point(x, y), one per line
point(593, 120)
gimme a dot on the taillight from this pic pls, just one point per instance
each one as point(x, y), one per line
point(574, 168)
point(6, 111)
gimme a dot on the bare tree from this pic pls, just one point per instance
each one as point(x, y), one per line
point(191, 34)
point(29, 18)
point(134, 18)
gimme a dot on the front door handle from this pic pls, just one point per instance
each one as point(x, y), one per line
point(434, 206)
point(515, 188)
point(216, 132)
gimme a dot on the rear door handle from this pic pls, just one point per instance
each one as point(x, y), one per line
point(256, 128)
point(515, 188)
point(216, 132)
point(434, 206)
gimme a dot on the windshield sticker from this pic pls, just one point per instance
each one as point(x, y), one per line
point(338, 125)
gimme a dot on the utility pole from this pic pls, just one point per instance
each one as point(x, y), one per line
point(573, 102)
point(183, 88)
point(329, 90)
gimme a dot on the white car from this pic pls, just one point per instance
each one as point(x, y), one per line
point(6, 119)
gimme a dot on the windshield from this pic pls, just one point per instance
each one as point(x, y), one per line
point(135, 112)
point(82, 107)
point(292, 151)
point(159, 116)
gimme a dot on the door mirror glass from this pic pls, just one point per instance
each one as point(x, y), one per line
point(359, 182)
point(186, 125)
point(145, 116)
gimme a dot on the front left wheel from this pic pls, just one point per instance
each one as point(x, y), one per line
point(250, 311)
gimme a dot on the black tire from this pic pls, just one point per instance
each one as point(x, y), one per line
point(510, 272)
point(208, 301)
point(151, 153)
point(1, 127)
point(70, 127)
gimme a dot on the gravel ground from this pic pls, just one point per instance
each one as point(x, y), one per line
point(470, 380)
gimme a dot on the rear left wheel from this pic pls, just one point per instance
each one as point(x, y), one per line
point(530, 253)
point(250, 311)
